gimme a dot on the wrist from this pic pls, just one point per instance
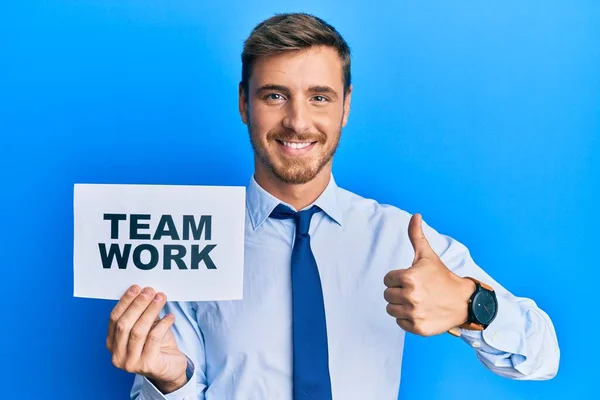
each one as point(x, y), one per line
point(466, 289)
point(167, 387)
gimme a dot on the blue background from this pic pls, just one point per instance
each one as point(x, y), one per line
point(483, 116)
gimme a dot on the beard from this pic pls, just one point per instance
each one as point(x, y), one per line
point(294, 170)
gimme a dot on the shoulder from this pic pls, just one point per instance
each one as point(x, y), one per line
point(361, 210)
point(359, 207)
point(386, 220)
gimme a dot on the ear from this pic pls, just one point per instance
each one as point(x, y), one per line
point(243, 104)
point(347, 99)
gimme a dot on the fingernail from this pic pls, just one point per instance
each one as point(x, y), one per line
point(147, 292)
point(158, 297)
point(133, 290)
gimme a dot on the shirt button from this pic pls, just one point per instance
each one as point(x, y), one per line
point(476, 344)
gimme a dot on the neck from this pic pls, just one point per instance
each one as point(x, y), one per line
point(297, 195)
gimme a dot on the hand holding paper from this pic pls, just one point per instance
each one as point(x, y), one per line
point(141, 343)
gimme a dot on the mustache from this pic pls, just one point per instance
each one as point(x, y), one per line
point(297, 137)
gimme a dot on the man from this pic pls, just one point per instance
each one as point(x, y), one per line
point(319, 283)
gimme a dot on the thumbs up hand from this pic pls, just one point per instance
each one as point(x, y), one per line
point(426, 299)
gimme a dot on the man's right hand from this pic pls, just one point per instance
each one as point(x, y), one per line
point(142, 343)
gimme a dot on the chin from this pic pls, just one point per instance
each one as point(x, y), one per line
point(296, 175)
point(289, 170)
point(294, 179)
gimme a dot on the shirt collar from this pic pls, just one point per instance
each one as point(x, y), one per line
point(261, 203)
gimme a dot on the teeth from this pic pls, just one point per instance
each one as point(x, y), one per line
point(297, 145)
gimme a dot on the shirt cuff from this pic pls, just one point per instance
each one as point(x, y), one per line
point(186, 392)
point(503, 335)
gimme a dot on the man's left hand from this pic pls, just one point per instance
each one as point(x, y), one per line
point(426, 299)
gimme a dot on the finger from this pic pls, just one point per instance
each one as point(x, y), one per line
point(398, 311)
point(394, 278)
point(417, 237)
point(126, 322)
point(396, 295)
point(155, 337)
point(141, 329)
point(455, 331)
point(155, 321)
point(406, 324)
point(118, 311)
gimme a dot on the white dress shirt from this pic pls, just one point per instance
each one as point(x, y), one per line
point(242, 349)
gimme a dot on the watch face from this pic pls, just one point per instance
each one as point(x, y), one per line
point(484, 307)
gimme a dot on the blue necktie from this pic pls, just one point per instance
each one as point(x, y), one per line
point(311, 359)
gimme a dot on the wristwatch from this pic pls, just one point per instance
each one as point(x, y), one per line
point(482, 308)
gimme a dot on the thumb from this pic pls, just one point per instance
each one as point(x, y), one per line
point(418, 239)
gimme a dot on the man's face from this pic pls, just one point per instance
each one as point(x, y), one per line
point(295, 112)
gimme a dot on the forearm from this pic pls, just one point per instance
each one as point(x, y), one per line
point(521, 342)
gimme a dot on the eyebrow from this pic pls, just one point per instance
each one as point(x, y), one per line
point(284, 89)
point(268, 88)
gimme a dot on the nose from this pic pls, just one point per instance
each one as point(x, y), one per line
point(297, 118)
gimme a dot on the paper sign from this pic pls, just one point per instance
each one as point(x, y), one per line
point(185, 241)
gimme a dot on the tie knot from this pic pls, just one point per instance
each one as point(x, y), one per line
point(302, 218)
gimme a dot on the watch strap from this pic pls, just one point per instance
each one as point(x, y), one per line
point(472, 326)
point(483, 285)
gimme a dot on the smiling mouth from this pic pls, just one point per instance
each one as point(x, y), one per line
point(296, 147)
